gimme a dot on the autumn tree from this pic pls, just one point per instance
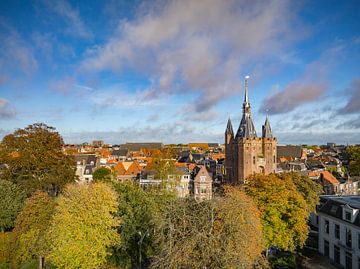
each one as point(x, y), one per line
point(31, 228)
point(83, 226)
point(354, 157)
point(284, 210)
point(223, 233)
point(11, 201)
point(140, 212)
point(309, 189)
point(35, 159)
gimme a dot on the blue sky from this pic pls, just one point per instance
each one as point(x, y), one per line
point(172, 71)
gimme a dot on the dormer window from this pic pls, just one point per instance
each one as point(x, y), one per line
point(347, 216)
point(349, 213)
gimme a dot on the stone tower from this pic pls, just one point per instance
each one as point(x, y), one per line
point(246, 153)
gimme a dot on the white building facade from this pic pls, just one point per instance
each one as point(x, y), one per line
point(339, 230)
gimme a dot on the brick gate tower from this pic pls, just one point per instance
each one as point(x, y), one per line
point(245, 152)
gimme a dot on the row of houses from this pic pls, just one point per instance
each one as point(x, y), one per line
point(190, 178)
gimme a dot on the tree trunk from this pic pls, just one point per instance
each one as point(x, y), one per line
point(41, 262)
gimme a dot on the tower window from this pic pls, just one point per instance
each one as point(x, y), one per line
point(254, 160)
point(274, 159)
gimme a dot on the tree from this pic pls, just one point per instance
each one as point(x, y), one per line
point(6, 249)
point(35, 159)
point(308, 188)
point(165, 170)
point(284, 210)
point(11, 201)
point(102, 174)
point(83, 226)
point(224, 233)
point(140, 212)
point(31, 227)
point(354, 157)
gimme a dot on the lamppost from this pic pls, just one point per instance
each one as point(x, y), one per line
point(142, 236)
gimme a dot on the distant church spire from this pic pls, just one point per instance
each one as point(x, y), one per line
point(266, 129)
point(246, 128)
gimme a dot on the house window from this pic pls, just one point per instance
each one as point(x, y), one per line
point(326, 226)
point(348, 260)
point(358, 240)
point(348, 237)
point(337, 254)
point(202, 178)
point(337, 231)
point(347, 216)
point(326, 248)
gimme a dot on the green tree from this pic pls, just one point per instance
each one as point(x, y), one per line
point(31, 226)
point(223, 233)
point(35, 159)
point(11, 201)
point(164, 165)
point(83, 226)
point(308, 188)
point(102, 174)
point(140, 212)
point(284, 210)
point(354, 157)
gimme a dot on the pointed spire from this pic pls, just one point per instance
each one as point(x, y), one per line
point(246, 97)
point(266, 129)
point(246, 128)
point(229, 128)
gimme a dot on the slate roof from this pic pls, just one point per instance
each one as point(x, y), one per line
point(85, 158)
point(289, 151)
point(246, 128)
point(313, 164)
point(120, 152)
point(266, 129)
point(89, 170)
point(333, 206)
point(139, 146)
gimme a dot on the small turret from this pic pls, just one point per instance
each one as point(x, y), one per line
point(266, 129)
point(229, 133)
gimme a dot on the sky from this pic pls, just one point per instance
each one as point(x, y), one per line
point(173, 71)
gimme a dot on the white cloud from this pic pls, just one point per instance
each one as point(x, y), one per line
point(309, 87)
point(201, 46)
point(71, 17)
point(15, 54)
point(7, 111)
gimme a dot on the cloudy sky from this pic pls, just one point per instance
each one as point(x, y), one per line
point(172, 71)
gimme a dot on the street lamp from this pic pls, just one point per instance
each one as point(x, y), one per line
point(142, 236)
